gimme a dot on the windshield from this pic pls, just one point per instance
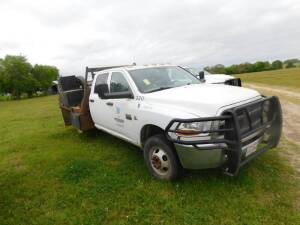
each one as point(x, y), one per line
point(159, 78)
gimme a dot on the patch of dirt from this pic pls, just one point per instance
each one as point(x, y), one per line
point(291, 119)
point(291, 130)
point(291, 111)
point(276, 89)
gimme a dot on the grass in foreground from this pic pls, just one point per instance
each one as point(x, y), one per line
point(53, 175)
point(289, 78)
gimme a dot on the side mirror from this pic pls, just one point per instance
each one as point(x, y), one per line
point(201, 75)
point(123, 94)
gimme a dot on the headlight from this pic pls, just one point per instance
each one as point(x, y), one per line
point(196, 131)
point(193, 129)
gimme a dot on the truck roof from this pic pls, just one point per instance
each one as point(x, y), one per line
point(93, 70)
point(134, 67)
point(146, 66)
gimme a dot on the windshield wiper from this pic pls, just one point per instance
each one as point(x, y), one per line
point(158, 89)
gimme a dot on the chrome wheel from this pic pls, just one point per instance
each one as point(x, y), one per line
point(159, 161)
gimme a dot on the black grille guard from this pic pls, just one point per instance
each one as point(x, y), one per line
point(263, 119)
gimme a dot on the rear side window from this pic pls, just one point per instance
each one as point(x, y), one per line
point(101, 86)
point(118, 83)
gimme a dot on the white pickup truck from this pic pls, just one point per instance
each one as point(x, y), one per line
point(178, 121)
point(214, 78)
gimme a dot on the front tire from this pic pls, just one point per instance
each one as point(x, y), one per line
point(161, 158)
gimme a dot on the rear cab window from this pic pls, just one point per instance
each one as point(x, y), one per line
point(101, 86)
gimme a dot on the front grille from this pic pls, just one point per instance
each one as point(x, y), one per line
point(250, 118)
point(251, 121)
point(243, 121)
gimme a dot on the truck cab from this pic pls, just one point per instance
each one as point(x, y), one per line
point(177, 120)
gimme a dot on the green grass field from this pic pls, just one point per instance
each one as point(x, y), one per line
point(50, 174)
point(289, 78)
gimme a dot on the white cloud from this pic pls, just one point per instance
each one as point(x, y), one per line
point(72, 34)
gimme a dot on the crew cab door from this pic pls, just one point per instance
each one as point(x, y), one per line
point(112, 105)
point(122, 107)
point(100, 107)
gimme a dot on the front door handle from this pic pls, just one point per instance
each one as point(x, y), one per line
point(109, 103)
point(92, 100)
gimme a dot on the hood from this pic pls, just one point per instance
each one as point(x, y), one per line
point(217, 78)
point(201, 99)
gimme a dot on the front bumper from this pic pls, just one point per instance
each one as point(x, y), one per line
point(259, 121)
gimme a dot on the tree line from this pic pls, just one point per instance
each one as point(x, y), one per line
point(18, 77)
point(252, 67)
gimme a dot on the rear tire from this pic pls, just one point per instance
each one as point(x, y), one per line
point(161, 158)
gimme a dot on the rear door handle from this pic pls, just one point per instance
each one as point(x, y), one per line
point(109, 103)
point(92, 100)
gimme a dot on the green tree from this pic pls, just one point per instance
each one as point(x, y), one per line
point(1, 77)
point(45, 75)
point(276, 65)
point(15, 75)
point(31, 85)
point(291, 61)
point(262, 66)
point(233, 69)
point(217, 69)
point(246, 68)
point(251, 67)
point(290, 65)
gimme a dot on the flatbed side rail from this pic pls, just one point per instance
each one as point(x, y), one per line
point(92, 70)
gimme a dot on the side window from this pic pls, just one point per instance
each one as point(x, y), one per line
point(118, 83)
point(101, 86)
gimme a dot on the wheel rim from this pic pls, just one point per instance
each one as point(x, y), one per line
point(159, 160)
